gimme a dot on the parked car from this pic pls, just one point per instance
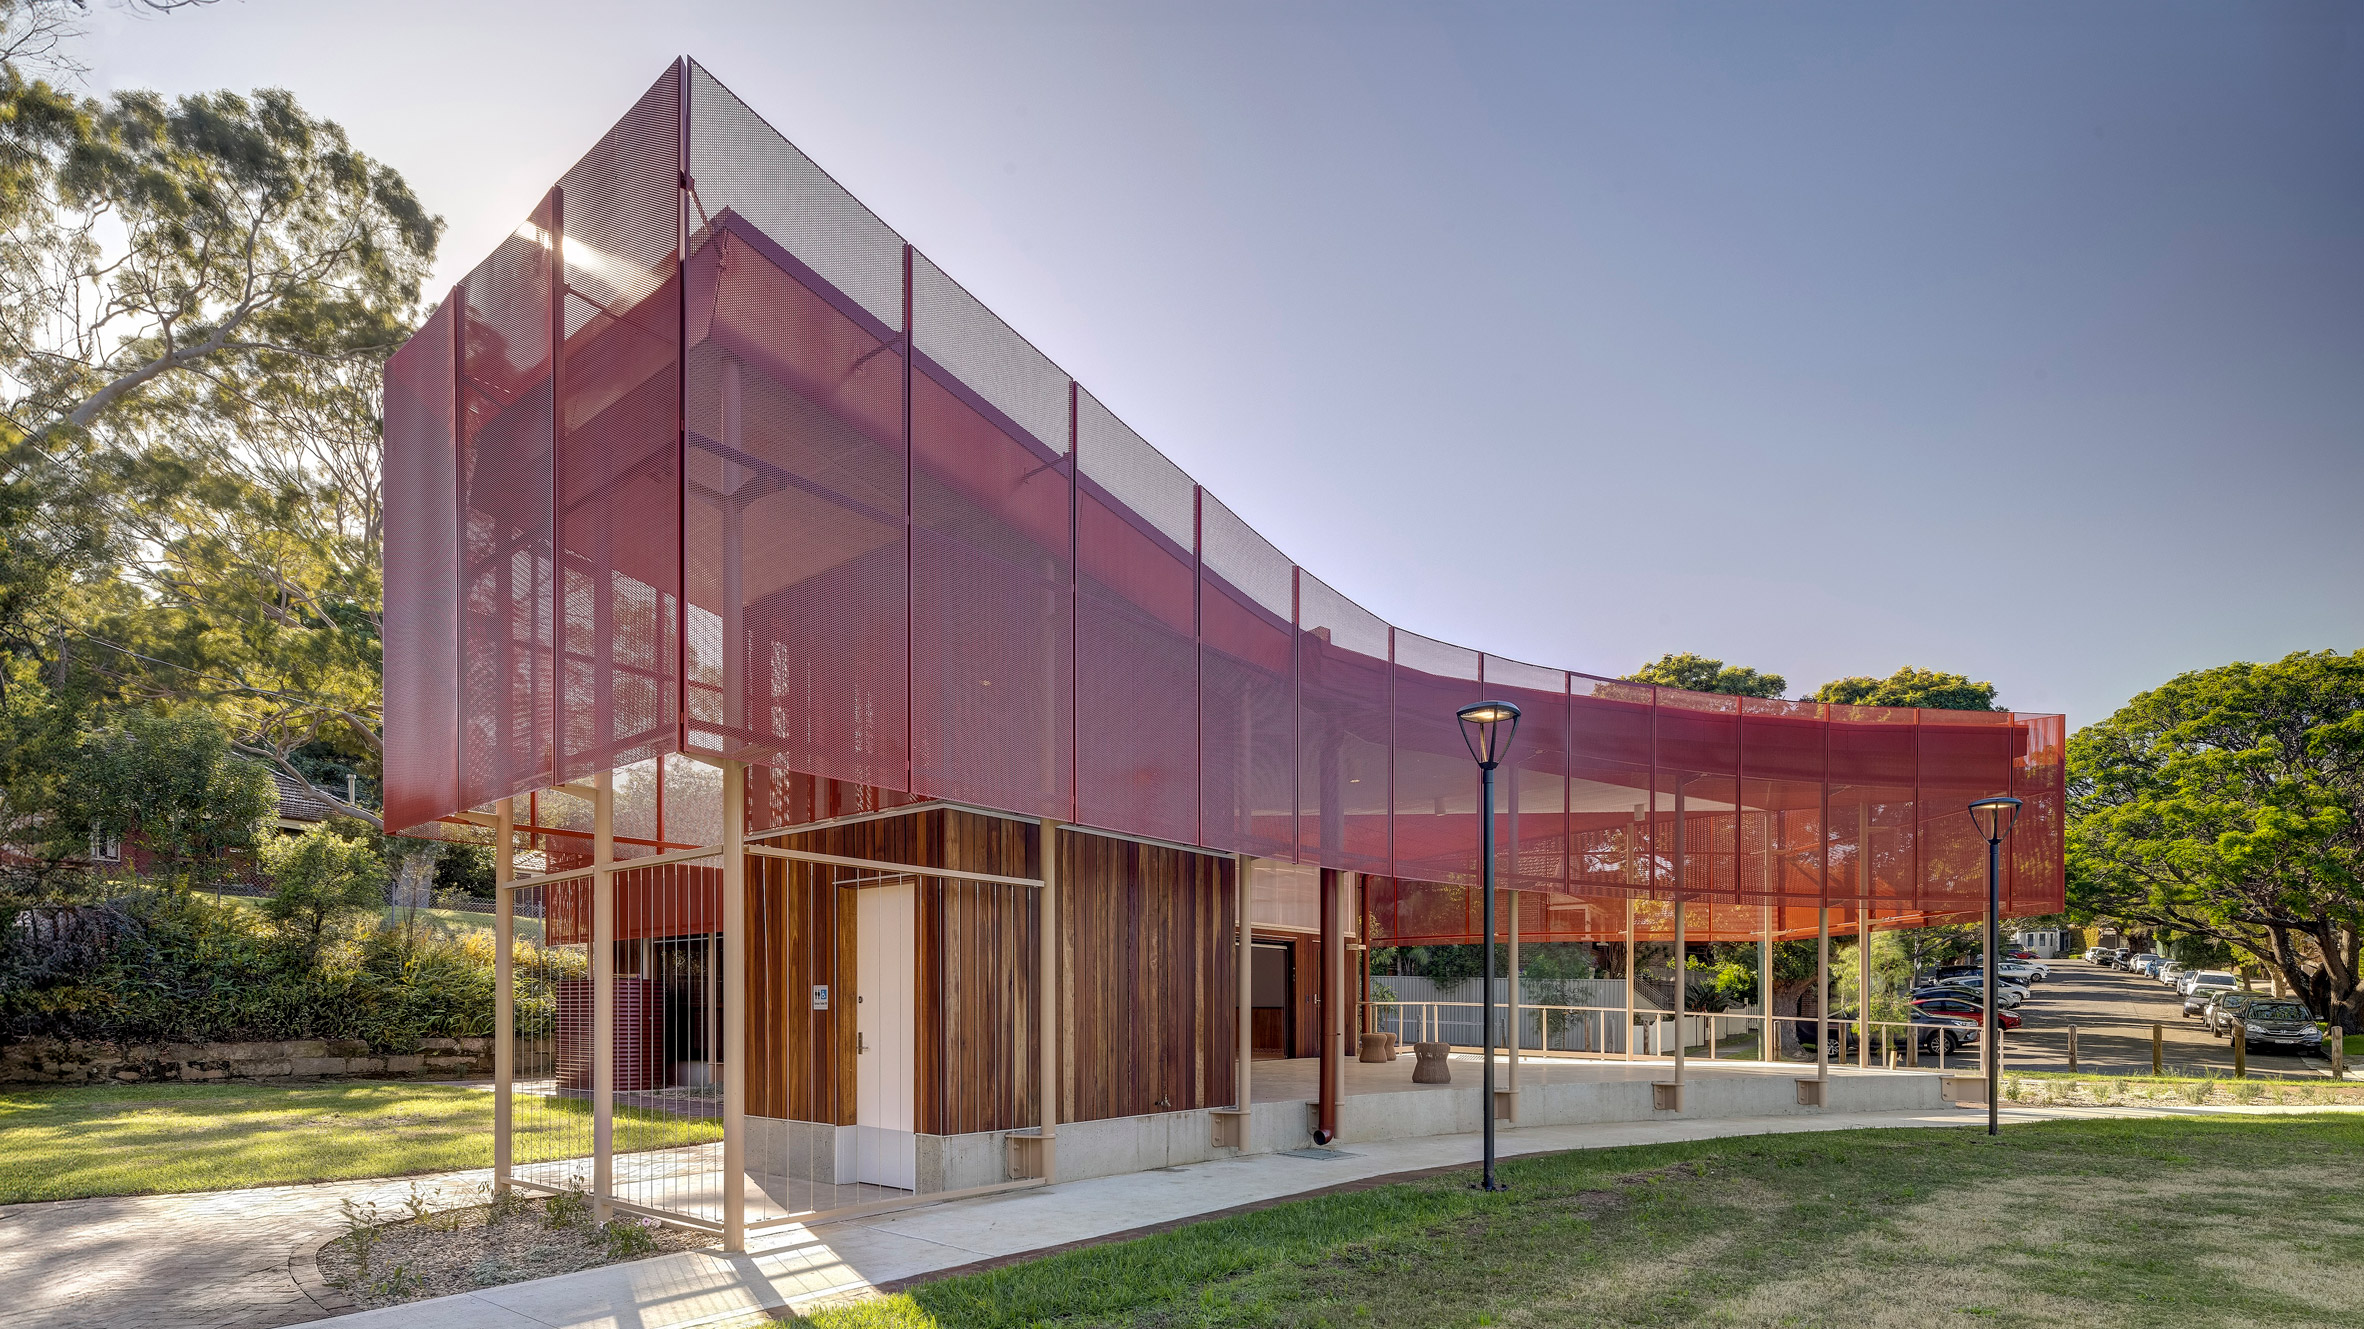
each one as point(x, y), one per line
point(1934, 1028)
point(2205, 987)
point(2172, 971)
point(2218, 1016)
point(2099, 954)
point(1966, 1008)
point(2192, 979)
point(2121, 955)
point(2006, 995)
point(2147, 964)
point(2280, 1022)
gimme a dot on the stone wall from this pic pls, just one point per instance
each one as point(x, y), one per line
point(49, 1061)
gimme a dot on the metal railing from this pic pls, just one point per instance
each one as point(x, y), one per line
point(1581, 1031)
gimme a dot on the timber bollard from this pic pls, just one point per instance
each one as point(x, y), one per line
point(2072, 1049)
point(2240, 1051)
point(2339, 1053)
point(2158, 1049)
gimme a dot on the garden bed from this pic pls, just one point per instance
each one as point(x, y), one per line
point(423, 1254)
point(2060, 1089)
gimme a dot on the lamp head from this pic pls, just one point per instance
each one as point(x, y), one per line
point(1994, 815)
point(1488, 727)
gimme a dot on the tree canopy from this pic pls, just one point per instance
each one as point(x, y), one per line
point(1697, 673)
point(1909, 686)
point(197, 297)
point(2229, 804)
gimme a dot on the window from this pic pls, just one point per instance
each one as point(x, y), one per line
point(105, 847)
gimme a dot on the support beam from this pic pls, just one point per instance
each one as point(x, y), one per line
point(1512, 1083)
point(1047, 981)
point(1768, 1036)
point(1331, 999)
point(735, 977)
point(504, 989)
point(1822, 993)
point(1231, 1125)
point(1630, 977)
point(1681, 999)
point(1863, 967)
point(603, 993)
point(1863, 893)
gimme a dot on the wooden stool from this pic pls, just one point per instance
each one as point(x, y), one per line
point(1376, 1047)
point(1429, 1065)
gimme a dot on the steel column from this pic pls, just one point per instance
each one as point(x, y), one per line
point(504, 989)
point(735, 978)
point(603, 993)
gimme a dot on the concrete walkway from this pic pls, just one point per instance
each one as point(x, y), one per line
point(800, 1268)
point(212, 1260)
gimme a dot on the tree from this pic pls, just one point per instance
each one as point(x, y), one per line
point(2229, 805)
point(196, 300)
point(1697, 673)
point(1909, 686)
point(319, 876)
point(167, 784)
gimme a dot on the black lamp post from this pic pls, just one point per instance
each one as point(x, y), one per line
point(1994, 816)
point(1484, 728)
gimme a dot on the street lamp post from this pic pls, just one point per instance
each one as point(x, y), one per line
point(1994, 816)
point(1482, 729)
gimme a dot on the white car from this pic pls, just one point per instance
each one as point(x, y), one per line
point(2171, 973)
point(2195, 979)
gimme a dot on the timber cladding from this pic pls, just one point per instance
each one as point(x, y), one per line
point(1147, 986)
point(1148, 981)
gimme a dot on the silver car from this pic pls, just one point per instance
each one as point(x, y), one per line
point(2281, 1023)
point(2206, 988)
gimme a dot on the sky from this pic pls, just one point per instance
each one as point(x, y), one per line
point(2024, 341)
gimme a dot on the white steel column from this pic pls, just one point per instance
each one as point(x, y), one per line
point(1247, 987)
point(1047, 998)
point(1822, 994)
point(1513, 1083)
point(734, 1006)
point(504, 988)
point(1863, 964)
point(1863, 879)
point(1768, 1037)
point(603, 992)
point(1630, 979)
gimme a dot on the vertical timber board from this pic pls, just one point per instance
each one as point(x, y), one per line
point(1149, 974)
point(1305, 985)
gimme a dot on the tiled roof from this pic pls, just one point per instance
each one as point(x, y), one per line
point(299, 801)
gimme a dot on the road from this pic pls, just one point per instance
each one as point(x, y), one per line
point(2113, 1011)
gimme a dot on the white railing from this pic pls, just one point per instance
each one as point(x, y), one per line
point(1711, 1035)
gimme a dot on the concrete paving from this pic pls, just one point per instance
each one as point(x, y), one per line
point(214, 1260)
point(803, 1267)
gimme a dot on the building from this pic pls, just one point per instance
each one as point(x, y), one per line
point(889, 739)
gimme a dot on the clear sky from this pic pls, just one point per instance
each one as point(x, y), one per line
point(2023, 341)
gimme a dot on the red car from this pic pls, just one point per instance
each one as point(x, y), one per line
point(1964, 1008)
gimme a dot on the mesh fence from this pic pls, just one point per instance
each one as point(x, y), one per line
point(804, 501)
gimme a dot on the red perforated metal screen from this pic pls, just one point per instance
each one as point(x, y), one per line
point(805, 502)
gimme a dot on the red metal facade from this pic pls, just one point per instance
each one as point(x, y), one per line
point(785, 492)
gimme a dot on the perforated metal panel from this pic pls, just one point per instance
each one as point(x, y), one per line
point(618, 467)
point(811, 505)
point(507, 701)
point(740, 165)
point(422, 563)
point(992, 589)
point(1136, 650)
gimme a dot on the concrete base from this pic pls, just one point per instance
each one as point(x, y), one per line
point(1966, 1090)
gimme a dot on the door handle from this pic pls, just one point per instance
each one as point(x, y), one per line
point(859, 1045)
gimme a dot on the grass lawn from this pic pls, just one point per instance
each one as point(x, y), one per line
point(147, 1139)
point(2198, 1221)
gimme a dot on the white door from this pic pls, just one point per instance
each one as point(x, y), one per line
point(886, 931)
